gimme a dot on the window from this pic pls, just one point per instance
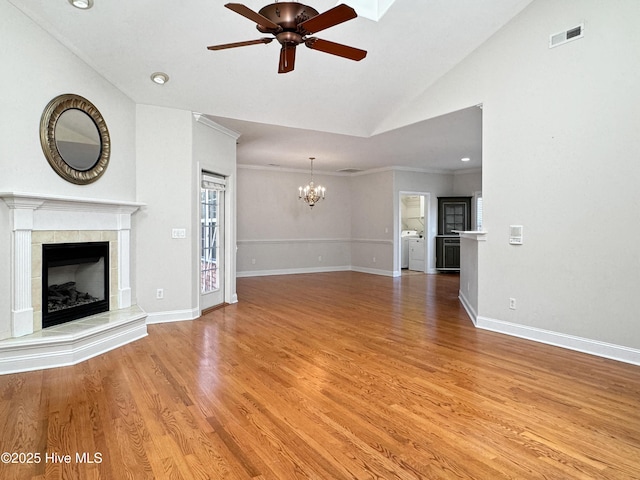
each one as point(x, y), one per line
point(478, 211)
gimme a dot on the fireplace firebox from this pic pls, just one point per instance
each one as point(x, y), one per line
point(75, 281)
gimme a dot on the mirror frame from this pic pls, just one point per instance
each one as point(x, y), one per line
point(50, 117)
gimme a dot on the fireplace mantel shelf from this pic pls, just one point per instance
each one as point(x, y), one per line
point(58, 202)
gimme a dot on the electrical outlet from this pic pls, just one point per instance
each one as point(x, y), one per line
point(319, 258)
point(512, 303)
point(253, 261)
point(160, 293)
point(374, 259)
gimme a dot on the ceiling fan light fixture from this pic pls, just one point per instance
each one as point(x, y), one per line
point(82, 4)
point(160, 78)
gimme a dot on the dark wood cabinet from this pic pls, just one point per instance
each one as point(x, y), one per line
point(448, 253)
point(454, 213)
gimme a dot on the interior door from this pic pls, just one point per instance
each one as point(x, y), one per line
point(212, 192)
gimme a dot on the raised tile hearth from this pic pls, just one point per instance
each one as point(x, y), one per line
point(72, 342)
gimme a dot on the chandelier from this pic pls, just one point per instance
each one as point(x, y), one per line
point(311, 194)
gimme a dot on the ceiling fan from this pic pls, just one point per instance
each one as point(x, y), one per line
point(290, 23)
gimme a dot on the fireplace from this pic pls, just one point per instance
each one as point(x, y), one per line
point(75, 281)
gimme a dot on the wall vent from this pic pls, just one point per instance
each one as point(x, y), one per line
point(561, 38)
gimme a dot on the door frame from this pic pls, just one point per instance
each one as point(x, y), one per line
point(428, 237)
point(226, 240)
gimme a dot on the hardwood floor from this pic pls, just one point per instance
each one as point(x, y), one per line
point(327, 376)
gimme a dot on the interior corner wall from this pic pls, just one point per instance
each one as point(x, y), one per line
point(280, 234)
point(560, 150)
point(467, 183)
point(372, 222)
point(164, 142)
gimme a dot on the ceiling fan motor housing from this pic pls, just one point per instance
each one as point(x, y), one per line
point(288, 15)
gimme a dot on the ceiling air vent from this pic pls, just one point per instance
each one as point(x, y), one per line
point(349, 170)
point(568, 35)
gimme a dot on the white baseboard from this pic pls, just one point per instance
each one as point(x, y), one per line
point(373, 271)
point(172, 316)
point(584, 345)
point(290, 271)
point(469, 309)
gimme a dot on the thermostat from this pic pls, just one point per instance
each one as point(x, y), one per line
point(515, 234)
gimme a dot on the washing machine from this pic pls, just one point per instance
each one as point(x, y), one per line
point(404, 245)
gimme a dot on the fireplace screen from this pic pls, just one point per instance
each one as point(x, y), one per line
point(75, 281)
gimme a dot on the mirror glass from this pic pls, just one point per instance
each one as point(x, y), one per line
point(78, 139)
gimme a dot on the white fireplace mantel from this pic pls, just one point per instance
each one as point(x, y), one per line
point(31, 212)
point(59, 202)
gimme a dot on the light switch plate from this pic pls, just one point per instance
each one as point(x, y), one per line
point(178, 233)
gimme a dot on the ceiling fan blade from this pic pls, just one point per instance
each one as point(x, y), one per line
point(327, 19)
point(240, 44)
point(287, 58)
point(254, 16)
point(335, 49)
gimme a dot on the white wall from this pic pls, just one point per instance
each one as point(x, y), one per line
point(281, 233)
point(36, 68)
point(172, 148)
point(165, 184)
point(560, 151)
point(372, 222)
point(466, 183)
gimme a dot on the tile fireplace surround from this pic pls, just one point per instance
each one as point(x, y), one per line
point(36, 219)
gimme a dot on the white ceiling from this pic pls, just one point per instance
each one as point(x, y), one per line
point(328, 107)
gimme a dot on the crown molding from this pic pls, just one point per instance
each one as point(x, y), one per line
point(203, 119)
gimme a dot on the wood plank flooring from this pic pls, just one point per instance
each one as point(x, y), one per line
point(327, 376)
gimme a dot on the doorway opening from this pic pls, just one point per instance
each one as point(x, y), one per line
point(413, 250)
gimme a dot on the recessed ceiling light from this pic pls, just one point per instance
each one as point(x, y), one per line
point(82, 4)
point(160, 78)
point(465, 159)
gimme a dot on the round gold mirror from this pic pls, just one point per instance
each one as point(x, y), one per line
point(75, 139)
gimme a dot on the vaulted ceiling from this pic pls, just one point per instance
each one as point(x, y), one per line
point(328, 107)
